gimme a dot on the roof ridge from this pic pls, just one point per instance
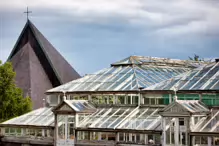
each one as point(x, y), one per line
point(33, 28)
point(54, 57)
point(18, 40)
point(159, 61)
point(136, 76)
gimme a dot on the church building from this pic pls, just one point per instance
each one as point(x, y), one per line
point(38, 65)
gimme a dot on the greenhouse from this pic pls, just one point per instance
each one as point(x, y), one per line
point(136, 101)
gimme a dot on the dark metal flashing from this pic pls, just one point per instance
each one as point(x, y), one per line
point(179, 91)
point(20, 140)
point(96, 92)
point(139, 91)
point(119, 130)
point(204, 133)
point(26, 126)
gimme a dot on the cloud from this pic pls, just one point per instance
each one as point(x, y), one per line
point(167, 17)
point(116, 28)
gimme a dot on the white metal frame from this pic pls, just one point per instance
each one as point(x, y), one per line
point(89, 118)
point(118, 117)
point(109, 117)
point(134, 120)
point(101, 118)
point(154, 112)
point(125, 120)
point(209, 121)
point(204, 75)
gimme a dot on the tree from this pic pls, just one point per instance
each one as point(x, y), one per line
point(196, 58)
point(12, 103)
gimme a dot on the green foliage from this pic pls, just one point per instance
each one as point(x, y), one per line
point(12, 103)
point(196, 58)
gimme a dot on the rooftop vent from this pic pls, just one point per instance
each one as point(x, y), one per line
point(217, 60)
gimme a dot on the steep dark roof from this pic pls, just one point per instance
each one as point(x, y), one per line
point(38, 65)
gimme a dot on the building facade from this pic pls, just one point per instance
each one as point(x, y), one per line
point(136, 101)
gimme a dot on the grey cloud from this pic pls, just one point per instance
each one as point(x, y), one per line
point(148, 14)
point(169, 28)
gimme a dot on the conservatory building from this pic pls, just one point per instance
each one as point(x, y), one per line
point(136, 101)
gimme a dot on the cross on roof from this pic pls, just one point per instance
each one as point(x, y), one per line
point(27, 12)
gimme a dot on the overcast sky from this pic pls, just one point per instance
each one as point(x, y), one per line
point(91, 34)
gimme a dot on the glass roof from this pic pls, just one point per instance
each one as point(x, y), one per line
point(194, 106)
point(80, 105)
point(208, 124)
point(40, 117)
point(124, 118)
point(203, 78)
point(123, 78)
point(156, 60)
point(138, 118)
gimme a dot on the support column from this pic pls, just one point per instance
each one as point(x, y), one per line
point(107, 100)
point(55, 130)
point(89, 97)
point(125, 98)
point(135, 138)
point(170, 98)
point(142, 99)
point(99, 135)
point(35, 132)
point(43, 132)
point(200, 97)
point(106, 136)
point(90, 135)
point(209, 141)
point(76, 120)
point(187, 130)
point(3, 131)
point(213, 138)
point(69, 97)
point(171, 134)
point(164, 131)
point(146, 139)
point(114, 99)
point(76, 135)
point(130, 137)
point(66, 127)
point(139, 99)
point(59, 99)
point(192, 121)
point(22, 131)
point(176, 131)
point(48, 133)
point(83, 135)
point(193, 140)
point(131, 99)
point(117, 137)
point(142, 136)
